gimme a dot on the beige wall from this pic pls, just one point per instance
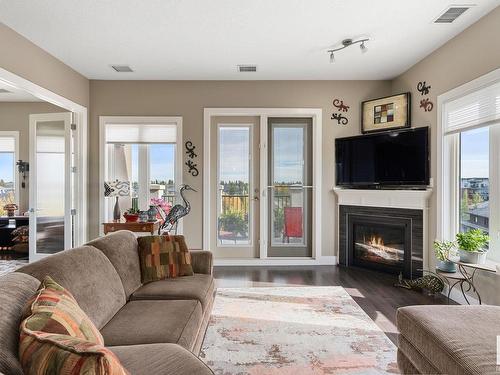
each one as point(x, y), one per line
point(471, 54)
point(21, 57)
point(188, 98)
point(15, 116)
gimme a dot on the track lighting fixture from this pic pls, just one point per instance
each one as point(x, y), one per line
point(346, 43)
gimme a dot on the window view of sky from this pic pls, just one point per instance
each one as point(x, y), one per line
point(6, 166)
point(288, 154)
point(161, 159)
point(475, 153)
point(234, 150)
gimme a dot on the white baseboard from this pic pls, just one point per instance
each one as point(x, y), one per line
point(457, 296)
point(322, 261)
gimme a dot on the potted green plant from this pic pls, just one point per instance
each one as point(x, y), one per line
point(472, 246)
point(444, 250)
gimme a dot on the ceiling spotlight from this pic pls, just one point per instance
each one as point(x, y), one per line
point(346, 43)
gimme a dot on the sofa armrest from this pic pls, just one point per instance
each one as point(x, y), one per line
point(202, 261)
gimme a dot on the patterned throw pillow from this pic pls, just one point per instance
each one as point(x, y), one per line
point(57, 337)
point(50, 354)
point(164, 257)
point(53, 309)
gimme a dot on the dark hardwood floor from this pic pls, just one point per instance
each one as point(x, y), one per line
point(373, 291)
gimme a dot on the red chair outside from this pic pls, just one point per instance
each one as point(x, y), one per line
point(293, 223)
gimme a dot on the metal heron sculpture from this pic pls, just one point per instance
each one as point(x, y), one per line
point(177, 212)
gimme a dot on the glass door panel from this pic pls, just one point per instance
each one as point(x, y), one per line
point(50, 185)
point(234, 187)
point(290, 187)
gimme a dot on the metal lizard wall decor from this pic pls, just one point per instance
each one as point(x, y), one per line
point(341, 107)
point(192, 166)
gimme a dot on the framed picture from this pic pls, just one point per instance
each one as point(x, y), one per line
point(389, 113)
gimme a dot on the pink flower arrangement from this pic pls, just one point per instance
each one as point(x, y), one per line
point(159, 202)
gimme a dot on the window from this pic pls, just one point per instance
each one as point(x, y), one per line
point(469, 186)
point(8, 174)
point(146, 154)
point(474, 180)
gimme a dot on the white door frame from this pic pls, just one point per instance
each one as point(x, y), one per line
point(264, 113)
point(65, 117)
point(80, 119)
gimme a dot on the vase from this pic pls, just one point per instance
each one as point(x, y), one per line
point(143, 216)
point(476, 257)
point(152, 213)
point(446, 266)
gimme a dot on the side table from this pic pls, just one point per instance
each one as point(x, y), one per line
point(148, 226)
point(464, 277)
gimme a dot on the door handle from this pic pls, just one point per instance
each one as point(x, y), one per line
point(256, 198)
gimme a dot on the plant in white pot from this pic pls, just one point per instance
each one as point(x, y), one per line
point(444, 251)
point(472, 246)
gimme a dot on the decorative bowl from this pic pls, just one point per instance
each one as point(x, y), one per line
point(131, 218)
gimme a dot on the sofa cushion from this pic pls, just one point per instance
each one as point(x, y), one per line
point(432, 331)
point(90, 277)
point(163, 257)
point(160, 359)
point(122, 250)
point(150, 322)
point(199, 286)
point(15, 291)
point(54, 310)
point(47, 353)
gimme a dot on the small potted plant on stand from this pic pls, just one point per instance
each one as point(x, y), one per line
point(444, 250)
point(131, 215)
point(472, 246)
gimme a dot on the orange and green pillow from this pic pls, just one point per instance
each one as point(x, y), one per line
point(53, 309)
point(43, 353)
point(163, 257)
point(57, 337)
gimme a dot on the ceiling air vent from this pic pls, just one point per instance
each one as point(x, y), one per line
point(451, 14)
point(122, 68)
point(247, 68)
point(3, 91)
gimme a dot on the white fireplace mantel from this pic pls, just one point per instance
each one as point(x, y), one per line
point(411, 199)
point(408, 199)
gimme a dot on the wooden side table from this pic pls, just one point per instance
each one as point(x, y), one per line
point(144, 227)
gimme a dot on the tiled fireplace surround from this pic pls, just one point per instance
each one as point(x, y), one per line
point(384, 230)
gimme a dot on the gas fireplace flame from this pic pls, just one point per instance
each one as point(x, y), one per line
point(375, 240)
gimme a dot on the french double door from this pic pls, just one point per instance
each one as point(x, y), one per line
point(261, 195)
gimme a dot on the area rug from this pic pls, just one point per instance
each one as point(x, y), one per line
point(7, 266)
point(294, 331)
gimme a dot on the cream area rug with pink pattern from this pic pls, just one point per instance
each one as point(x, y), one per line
point(294, 331)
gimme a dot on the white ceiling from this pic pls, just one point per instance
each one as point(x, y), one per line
point(15, 95)
point(206, 39)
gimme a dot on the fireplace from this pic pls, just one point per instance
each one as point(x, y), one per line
point(384, 239)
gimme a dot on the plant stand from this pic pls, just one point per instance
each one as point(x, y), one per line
point(464, 277)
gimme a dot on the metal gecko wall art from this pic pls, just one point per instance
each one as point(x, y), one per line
point(424, 89)
point(191, 154)
point(341, 107)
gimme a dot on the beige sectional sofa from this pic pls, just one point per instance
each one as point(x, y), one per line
point(455, 340)
point(156, 328)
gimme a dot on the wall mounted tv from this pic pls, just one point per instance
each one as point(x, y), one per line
point(391, 159)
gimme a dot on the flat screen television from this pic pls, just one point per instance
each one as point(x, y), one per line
point(392, 159)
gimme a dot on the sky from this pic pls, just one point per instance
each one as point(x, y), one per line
point(475, 153)
point(161, 159)
point(287, 147)
point(6, 166)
